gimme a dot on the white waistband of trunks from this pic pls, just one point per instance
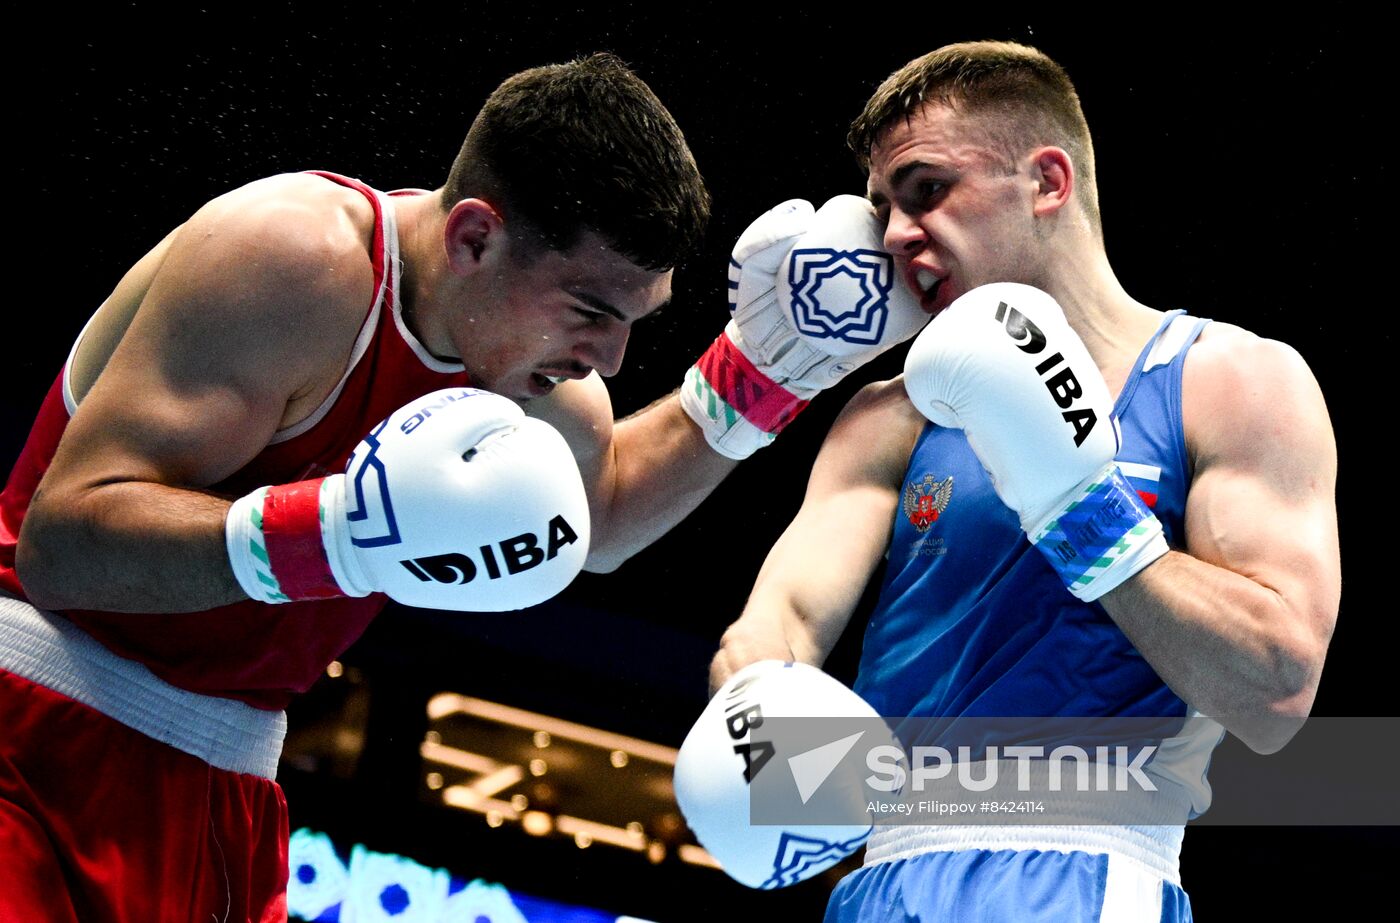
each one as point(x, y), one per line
point(1156, 848)
point(51, 651)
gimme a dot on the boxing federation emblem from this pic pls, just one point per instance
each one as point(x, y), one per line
point(925, 501)
point(841, 294)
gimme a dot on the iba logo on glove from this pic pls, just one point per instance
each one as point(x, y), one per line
point(518, 553)
point(1063, 386)
point(841, 294)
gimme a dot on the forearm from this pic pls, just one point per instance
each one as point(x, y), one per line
point(812, 580)
point(127, 547)
point(662, 470)
point(1229, 646)
point(768, 630)
point(792, 614)
point(747, 641)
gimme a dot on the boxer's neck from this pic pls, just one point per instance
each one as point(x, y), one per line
point(421, 224)
point(1113, 325)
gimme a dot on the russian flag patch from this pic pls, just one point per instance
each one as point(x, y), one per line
point(1145, 479)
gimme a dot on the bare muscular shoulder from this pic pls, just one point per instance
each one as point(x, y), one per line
point(871, 440)
point(238, 324)
point(1251, 400)
point(292, 251)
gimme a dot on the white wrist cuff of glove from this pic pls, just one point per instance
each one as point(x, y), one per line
point(247, 549)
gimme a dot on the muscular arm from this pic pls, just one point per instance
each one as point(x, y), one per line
point(1238, 624)
point(814, 576)
point(645, 473)
point(235, 324)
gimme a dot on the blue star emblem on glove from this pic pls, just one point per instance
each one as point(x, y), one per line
point(797, 856)
point(841, 294)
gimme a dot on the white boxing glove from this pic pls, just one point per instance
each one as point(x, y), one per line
point(456, 501)
point(814, 296)
point(1003, 364)
point(715, 767)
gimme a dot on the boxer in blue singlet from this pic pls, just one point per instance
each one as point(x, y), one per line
point(981, 167)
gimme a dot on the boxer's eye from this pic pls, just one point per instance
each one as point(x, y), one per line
point(929, 190)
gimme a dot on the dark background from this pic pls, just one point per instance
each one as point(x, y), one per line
point(1241, 175)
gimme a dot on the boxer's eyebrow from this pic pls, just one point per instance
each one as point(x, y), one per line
point(606, 307)
point(900, 176)
point(599, 304)
point(904, 172)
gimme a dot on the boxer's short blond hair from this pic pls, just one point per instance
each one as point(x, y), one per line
point(1016, 94)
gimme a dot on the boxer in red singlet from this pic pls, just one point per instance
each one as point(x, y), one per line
point(141, 681)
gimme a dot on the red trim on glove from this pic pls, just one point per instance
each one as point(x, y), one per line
point(292, 531)
point(760, 400)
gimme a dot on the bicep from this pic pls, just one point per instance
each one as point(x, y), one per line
point(1262, 503)
point(815, 574)
point(167, 411)
point(1237, 519)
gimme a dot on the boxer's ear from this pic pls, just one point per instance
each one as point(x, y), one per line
point(1053, 172)
point(472, 235)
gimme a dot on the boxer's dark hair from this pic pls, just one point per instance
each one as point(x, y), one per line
point(567, 148)
point(1017, 94)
